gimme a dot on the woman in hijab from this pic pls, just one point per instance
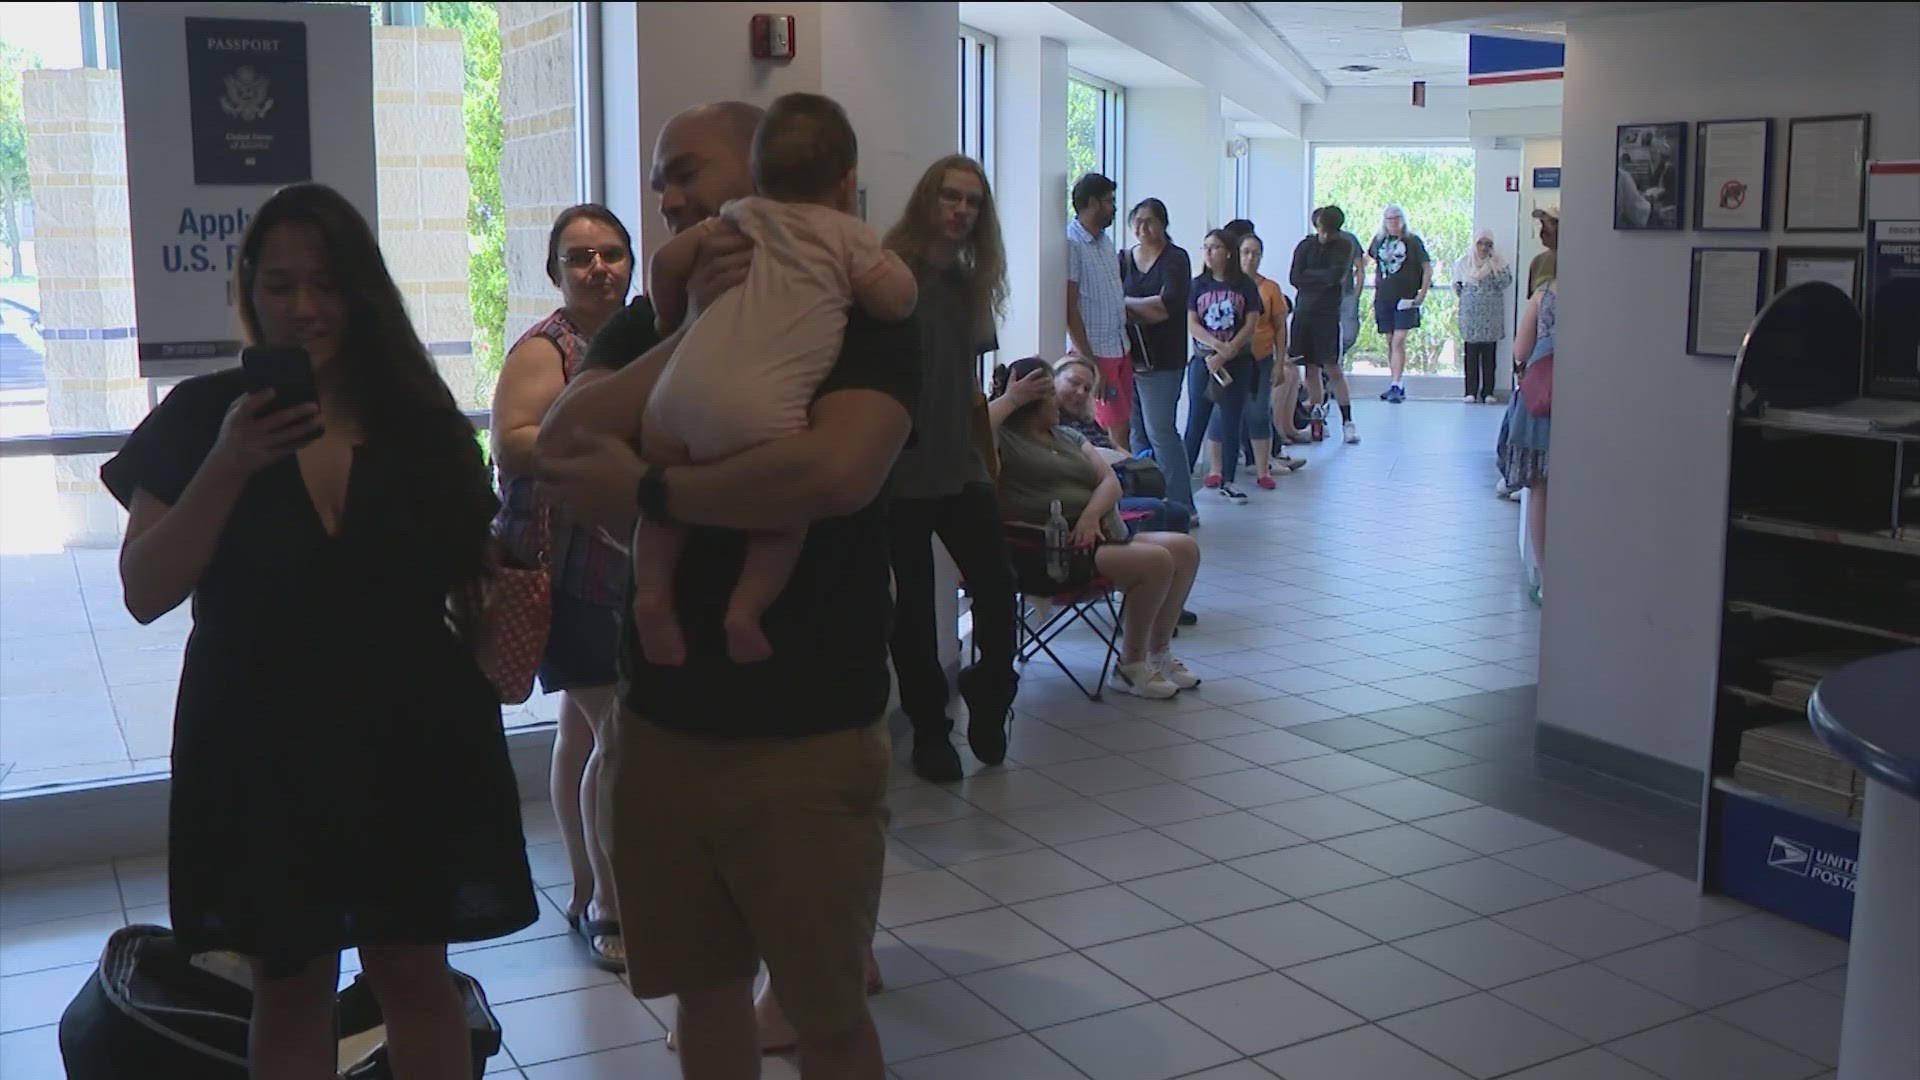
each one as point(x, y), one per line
point(1481, 278)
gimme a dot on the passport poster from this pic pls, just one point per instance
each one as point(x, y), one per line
point(247, 89)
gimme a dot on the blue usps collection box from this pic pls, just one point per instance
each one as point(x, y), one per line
point(1787, 860)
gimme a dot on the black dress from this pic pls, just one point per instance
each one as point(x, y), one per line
point(340, 774)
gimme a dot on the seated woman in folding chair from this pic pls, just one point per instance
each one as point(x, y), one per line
point(1040, 462)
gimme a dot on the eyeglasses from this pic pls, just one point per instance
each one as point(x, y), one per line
point(950, 197)
point(612, 256)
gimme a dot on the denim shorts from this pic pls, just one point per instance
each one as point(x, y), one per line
point(583, 645)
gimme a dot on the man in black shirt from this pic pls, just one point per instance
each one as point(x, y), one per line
point(748, 803)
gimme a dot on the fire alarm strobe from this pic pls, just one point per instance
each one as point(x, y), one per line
point(773, 37)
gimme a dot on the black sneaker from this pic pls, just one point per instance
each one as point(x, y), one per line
point(989, 699)
point(1232, 494)
point(937, 761)
point(1188, 618)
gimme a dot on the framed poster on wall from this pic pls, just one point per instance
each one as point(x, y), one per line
point(1733, 164)
point(1724, 293)
point(1827, 173)
point(223, 105)
point(1839, 267)
point(1649, 180)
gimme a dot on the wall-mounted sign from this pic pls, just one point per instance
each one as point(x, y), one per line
point(219, 102)
point(1546, 177)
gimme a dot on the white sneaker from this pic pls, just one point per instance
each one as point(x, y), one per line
point(1142, 679)
point(1471, 399)
point(1288, 464)
point(1500, 488)
point(1173, 670)
point(1352, 433)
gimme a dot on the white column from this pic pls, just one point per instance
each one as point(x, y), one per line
point(1277, 172)
point(1176, 152)
point(1030, 163)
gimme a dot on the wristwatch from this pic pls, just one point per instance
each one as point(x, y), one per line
point(650, 496)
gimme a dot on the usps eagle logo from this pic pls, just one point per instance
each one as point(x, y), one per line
point(247, 97)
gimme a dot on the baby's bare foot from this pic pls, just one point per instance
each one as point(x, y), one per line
point(746, 643)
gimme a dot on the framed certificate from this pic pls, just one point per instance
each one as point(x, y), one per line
point(1723, 295)
point(1733, 161)
point(1840, 267)
point(1827, 173)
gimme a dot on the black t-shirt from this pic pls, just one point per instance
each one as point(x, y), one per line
point(1169, 279)
point(1319, 274)
point(1224, 308)
point(1398, 265)
point(829, 627)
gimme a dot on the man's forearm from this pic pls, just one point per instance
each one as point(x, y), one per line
point(1077, 333)
point(784, 484)
point(608, 402)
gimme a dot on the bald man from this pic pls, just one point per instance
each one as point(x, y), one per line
point(748, 803)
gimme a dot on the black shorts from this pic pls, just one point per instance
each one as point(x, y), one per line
point(1315, 340)
point(583, 645)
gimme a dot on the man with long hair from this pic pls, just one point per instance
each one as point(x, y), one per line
point(941, 485)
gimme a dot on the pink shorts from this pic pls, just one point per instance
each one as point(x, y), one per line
point(1114, 406)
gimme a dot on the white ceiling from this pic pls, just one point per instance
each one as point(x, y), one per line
point(1088, 50)
point(1330, 36)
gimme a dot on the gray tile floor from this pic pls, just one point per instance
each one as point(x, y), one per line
point(1337, 860)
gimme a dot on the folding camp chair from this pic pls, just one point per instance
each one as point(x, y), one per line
point(1043, 615)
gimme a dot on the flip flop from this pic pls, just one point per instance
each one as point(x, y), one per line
point(592, 931)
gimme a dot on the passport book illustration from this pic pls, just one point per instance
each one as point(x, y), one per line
point(247, 82)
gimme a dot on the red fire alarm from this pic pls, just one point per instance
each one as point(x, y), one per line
point(1513, 183)
point(773, 37)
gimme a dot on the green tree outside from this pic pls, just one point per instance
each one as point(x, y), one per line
point(479, 26)
point(14, 194)
point(1083, 133)
point(1435, 187)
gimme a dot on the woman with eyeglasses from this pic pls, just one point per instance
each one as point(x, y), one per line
point(590, 259)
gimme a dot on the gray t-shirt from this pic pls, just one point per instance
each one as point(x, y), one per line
point(940, 457)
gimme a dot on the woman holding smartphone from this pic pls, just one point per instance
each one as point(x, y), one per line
point(340, 776)
point(1220, 309)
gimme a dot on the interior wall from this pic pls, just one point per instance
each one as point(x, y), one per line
point(894, 67)
point(1386, 115)
point(1277, 204)
point(1634, 538)
point(1540, 153)
point(1030, 187)
point(692, 54)
point(1176, 152)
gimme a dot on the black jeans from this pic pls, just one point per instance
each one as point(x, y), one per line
point(1479, 365)
point(969, 525)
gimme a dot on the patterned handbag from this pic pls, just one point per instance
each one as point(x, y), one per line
point(515, 621)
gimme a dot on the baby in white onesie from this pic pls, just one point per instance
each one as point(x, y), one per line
point(748, 368)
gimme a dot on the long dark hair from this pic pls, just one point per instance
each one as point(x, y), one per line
point(391, 387)
point(1232, 243)
point(1005, 375)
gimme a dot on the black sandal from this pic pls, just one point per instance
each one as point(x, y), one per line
point(593, 931)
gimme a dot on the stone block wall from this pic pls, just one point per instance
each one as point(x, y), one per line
point(77, 170)
point(419, 126)
point(539, 163)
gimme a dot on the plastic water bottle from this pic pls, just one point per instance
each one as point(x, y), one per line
point(1059, 541)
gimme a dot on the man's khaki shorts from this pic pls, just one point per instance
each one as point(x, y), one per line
point(728, 853)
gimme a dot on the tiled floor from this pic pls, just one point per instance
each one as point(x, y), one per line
point(1334, 861)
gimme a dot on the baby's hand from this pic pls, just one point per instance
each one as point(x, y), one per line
point(721, 264)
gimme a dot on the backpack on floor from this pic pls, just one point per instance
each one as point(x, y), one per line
point(150, 1013)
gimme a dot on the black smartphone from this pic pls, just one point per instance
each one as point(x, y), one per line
point(287, 370)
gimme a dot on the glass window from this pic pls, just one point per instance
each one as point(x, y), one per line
point(976, 97)
point(1434, 184)
point(1094, 132)
point(87, 693)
